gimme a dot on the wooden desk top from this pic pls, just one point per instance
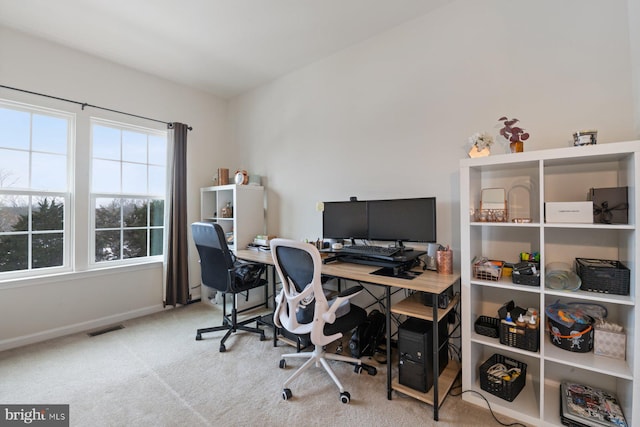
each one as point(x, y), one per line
point(428, 281)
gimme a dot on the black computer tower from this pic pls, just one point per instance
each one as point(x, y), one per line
point(415, 345)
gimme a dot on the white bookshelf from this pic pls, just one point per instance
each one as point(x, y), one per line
point(531, 179)
point(248, 218)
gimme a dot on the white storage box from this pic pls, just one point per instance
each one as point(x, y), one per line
point(575, 212)
point(610, 344)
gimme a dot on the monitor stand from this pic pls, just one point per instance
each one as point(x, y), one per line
point(402, 247)
point(398, 272)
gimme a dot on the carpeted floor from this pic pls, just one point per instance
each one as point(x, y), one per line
point(153, 373)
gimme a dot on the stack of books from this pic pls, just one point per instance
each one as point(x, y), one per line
point(261, 242)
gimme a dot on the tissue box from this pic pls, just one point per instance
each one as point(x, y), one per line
point(575, 212)
point(610, 205)
point(610, 344)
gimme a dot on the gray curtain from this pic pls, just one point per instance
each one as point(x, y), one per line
point(177, 258)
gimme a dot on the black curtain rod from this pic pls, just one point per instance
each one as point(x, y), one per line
point(85, 104)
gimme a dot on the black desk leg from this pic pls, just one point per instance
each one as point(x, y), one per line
point(275, 329)
point(388, 319)
point(436, 354)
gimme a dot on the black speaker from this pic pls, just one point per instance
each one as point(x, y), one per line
point(443, 299)
point(415, 345)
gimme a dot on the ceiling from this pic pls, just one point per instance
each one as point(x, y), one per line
point(224, 47)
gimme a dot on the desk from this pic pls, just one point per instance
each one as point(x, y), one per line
point(429, 281)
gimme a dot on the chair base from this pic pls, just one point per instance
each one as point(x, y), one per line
point(227, 325)
point(319, 357)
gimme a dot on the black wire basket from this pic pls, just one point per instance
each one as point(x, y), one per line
point(506, 387)
point(522, 337)
point(601, 275)
point(526, 273)
point(487, 326)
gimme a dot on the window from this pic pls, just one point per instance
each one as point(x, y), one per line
point(128, 183)
point(34, 189)
point(68, 205)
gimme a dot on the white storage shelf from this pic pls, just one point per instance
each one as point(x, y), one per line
point(247, 202)
point(531, 179)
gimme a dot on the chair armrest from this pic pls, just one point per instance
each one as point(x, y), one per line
point(350, 292)
point(330, 315)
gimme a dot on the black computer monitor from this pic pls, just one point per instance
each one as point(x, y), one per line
point(403, 220)
point(344, 220)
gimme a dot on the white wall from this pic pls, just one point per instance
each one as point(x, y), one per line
point(32, 310)
point(634, 37)
point(390, 117)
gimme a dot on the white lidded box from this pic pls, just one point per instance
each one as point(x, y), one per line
point(575, 212)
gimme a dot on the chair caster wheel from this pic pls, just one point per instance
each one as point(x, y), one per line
point(198, 337)
point(222, 348)
point(286, 394)
point(283, 363)
point(357, 369)
point(345, 397)
point(371, 370)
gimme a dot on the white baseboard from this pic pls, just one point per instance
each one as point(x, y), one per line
point(77, 327)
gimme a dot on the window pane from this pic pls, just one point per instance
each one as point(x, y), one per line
point(14, 169)
point(157, 180)
point(135, 244)
point(106, 176)
point(138, 177)
point(134, 178)
point(134, 147)
point(134, 213)
point(13, 253)
point(47, 250)
point(156, 242)
point(107, 245)
point(14, 213)
point(157, 213)
point(106, 142)
point(107, 213)
point(33, 168)
point(14, 129)
point(48, 214)
point(49, 172)
point(157, 150)
point(49, 134)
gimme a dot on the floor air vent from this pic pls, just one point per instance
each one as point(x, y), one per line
point(105, 330)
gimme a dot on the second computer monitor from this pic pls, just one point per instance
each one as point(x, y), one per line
point(412, 220)
point(344, 220)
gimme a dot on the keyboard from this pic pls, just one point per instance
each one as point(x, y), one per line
point(370, 250)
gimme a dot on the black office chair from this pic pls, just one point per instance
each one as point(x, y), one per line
point(221, 271)
point(302, 308)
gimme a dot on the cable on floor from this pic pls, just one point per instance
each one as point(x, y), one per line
point(488, 405)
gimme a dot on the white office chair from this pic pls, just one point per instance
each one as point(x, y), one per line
point(302, 308)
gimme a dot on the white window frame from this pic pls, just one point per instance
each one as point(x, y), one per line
point(93, 196)
point(68, 235)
